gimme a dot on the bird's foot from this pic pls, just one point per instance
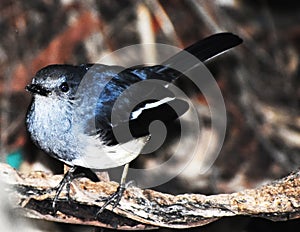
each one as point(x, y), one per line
point(113, 199)
point(66, 181)
point(73, 173)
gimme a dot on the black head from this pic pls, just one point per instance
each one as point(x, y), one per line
point(61, 80)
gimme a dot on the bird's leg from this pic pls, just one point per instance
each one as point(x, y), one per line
point(67, 179)
point(115, 198)
point(73, 173)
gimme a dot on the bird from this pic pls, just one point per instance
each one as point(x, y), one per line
point(97, 116)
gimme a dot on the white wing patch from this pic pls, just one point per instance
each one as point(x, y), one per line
point(137, 113)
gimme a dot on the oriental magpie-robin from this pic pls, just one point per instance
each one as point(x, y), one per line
point(87, 127)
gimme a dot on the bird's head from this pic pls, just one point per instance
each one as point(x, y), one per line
point(58, 81)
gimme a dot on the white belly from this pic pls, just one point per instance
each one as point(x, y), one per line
point(98, 156)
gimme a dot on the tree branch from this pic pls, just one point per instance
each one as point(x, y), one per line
point(145, 209)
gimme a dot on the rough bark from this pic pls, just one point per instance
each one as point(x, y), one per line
point(146, 209)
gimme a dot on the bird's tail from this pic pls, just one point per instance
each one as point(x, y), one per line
point(208, 47)
point(203, 50)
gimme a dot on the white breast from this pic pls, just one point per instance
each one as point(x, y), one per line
point(64, 138)
point(51, 129)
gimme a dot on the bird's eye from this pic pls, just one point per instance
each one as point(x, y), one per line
point(64, 87)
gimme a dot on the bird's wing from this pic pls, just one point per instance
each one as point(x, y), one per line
point(131, 99)
point(128, 104)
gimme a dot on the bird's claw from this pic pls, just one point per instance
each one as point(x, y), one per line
point(113, 199)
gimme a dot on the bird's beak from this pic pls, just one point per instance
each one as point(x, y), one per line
point(37, 89)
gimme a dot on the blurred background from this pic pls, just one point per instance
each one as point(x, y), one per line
point(259, 81)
